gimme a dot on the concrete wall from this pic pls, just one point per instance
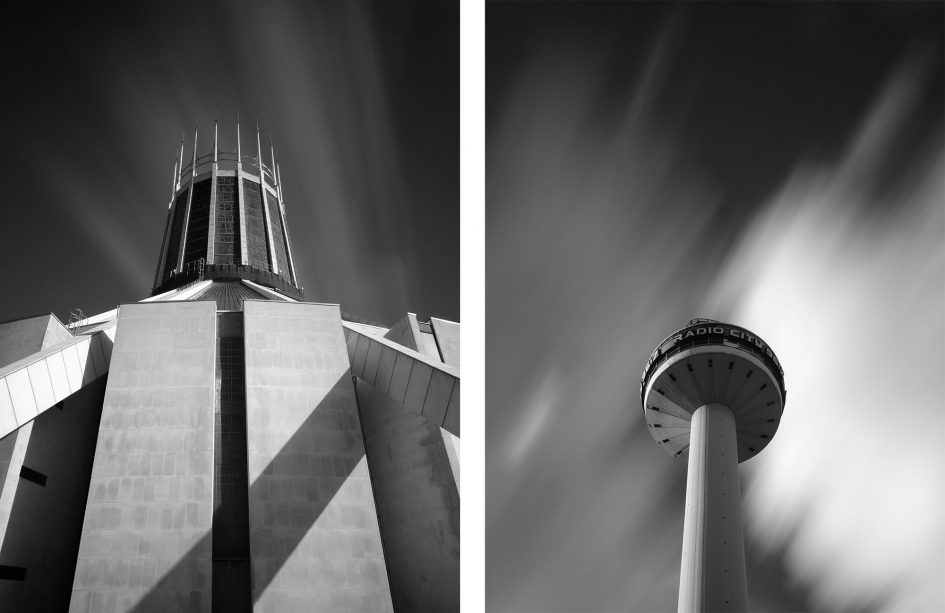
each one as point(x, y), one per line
point(417, 503)
point(426, 344)
point(12, 453)
point(405, 332)
point(314, 538)
point(20, 339)
point(146, 542)
point(55, 332)
point(447, 339)
point(45, 521)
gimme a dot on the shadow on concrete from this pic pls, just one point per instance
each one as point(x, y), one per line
point(164, 597)
point(44, 528)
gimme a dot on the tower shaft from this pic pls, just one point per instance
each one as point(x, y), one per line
point(712, 576)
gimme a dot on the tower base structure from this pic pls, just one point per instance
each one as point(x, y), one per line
point(712, 575)
point(716, 391)
point(232, 450)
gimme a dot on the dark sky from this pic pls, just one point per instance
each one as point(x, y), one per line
point(776, 165)
point(361, 99)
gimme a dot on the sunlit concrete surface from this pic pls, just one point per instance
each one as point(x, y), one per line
point(149, 498)
point(315, 540)
point(32, 385)
point(447, 340)
point(425, 386)
point(19, 339)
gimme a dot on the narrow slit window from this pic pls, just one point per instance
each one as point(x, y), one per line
point(33, 475)
point(12, 573)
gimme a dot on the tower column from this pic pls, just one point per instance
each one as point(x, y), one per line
point(712, 575)
point(264, 198)
point(285, 228)
point(244, 247)
point(190, 199)
point(212, 221)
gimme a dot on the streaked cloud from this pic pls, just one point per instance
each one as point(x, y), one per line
point(637, 177)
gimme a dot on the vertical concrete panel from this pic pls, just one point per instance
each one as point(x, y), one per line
point(401, 375)
point(417, 502)
point(314, 537)
point(70, 356)
point(146, 542)
point(85, 361)
point(57, 374)
point(451, 419)
point(426, 344)
point(447, 339)
point(360, 354)
point(7, 416)
point(417, 386)
point(438, 397)
point(41, 384)
point(385, 369)
point(373, 358)
point(21, 392)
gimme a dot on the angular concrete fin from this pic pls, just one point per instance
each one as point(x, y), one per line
point(446, 334)
point(22, 337)
point(422, 384)
point(405, 332)
point(55, 332)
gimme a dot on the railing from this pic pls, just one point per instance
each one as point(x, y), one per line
point(195, 271)
point(662, 355)
point(228, 161)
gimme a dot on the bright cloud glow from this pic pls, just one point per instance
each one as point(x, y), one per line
point(849, 290)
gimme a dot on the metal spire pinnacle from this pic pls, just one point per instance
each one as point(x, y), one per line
point(272, 156)
point(193, 164)
point(239, 154)
point(180, 165)
point(173, 183)
point(259, 152)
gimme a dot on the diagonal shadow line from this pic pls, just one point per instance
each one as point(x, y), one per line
point(165, 596)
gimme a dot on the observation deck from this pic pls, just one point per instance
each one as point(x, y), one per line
point(711, 362)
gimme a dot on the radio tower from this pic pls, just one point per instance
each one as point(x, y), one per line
point(716, 391)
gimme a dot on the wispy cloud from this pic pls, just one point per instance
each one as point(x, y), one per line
point(849, 289)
